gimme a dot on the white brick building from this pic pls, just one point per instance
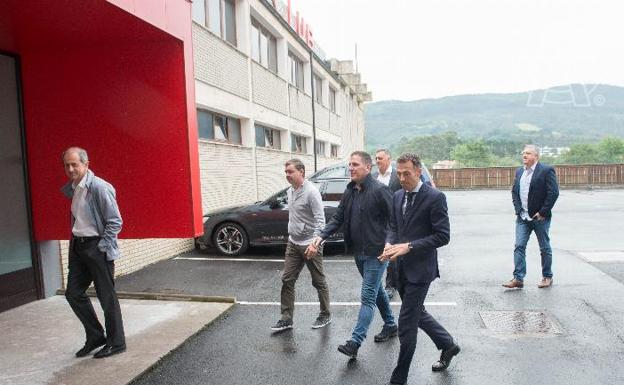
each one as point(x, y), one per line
point(254, 77)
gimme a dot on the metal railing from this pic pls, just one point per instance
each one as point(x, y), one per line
point(503, 177)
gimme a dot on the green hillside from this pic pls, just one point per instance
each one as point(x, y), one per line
point(558, 116)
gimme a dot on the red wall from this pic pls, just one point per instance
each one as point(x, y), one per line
point(122, 89)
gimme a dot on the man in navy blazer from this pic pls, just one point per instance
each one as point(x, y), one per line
point(534, 194)
point(419, 224)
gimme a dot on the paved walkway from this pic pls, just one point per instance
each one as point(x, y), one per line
point(38, 340)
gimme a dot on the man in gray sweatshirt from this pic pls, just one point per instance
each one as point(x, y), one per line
point(306, 219)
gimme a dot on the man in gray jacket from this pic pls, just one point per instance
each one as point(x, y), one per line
point(95, 223)
point(306, 219)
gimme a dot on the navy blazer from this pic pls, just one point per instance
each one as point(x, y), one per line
point(426, 227)
point(543, 191)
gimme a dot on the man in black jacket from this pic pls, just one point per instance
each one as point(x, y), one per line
point(363, 212)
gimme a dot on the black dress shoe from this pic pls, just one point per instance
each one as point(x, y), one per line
point(445, 358)
point(350, 349)
point(108, 350)
point(89, 347)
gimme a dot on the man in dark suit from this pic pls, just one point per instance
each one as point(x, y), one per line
point(534, 194)
point(419, 224)
point(387, 175)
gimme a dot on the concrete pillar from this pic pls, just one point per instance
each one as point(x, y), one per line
point(50, 252)
point(282, 58)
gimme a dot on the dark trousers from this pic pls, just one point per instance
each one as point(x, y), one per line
point(88, 264)
point(293, 264)
point(413, 316)
point(391, 274)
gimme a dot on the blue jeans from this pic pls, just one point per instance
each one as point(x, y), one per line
point(373, 294)
point(523, 231)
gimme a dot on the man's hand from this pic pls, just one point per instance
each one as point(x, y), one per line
point(391, 252)
point(313, 247)
point(538, 217)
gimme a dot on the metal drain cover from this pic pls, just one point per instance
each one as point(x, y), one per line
point(520, 322)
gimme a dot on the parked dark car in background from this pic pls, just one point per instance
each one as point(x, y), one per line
point(341, 170)
point(232, 230)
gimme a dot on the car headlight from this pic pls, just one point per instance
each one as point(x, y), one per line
point(206, 219)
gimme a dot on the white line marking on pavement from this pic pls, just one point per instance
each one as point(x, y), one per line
point(254, 260)
point(336, 303)
point(325, 260)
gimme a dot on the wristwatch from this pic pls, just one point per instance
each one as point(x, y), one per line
point(409, 246)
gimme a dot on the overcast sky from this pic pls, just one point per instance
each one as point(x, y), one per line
point(416, 49)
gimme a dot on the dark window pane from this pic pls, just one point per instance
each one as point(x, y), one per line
point(260, 136)
point(220, 128)
point(230, 21)
point(234, 131)
point(204, 124)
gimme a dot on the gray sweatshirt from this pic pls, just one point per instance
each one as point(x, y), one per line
point(306, 216)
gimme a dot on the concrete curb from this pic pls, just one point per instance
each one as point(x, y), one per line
point(162, 296)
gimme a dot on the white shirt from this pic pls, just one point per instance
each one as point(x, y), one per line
point(525, 183)
point(416, 189)
point(385, 178)
point(83, 224)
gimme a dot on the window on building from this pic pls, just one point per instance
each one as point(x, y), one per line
point(298, 144)
point(320, 148)
point(263, 46)
point(335, 149)
point(332, 100)
point(268, 137)
point(218, 127)
point(218, 15)
point(295, 69)
point(318, 89)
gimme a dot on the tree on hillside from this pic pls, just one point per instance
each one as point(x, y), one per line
point(582, 153)
point(611, 150)
point(431, 147)
point(472, 154)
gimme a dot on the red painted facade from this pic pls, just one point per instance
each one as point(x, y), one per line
point(114, 77)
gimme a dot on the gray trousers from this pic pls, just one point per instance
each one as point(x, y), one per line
point(293, 264)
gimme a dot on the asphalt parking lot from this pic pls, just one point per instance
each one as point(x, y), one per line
point(568, 334)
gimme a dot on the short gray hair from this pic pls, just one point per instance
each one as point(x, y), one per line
point(533, 147)
point(82, 154)
point(410, 157)
point(384, 150)
point(365, 157)
point(297, 163)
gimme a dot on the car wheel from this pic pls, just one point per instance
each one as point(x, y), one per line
point(230, 239)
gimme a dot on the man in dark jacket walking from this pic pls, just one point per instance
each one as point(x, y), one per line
point(419, 225)
point(534, 194)
point(364, 212)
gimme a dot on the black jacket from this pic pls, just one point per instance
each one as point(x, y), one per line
point(376, 209)
point(543, 191)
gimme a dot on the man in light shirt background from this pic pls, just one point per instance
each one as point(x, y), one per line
point(387, 175)
point(534, 193)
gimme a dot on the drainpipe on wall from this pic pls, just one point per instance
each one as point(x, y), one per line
point(313, 111)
